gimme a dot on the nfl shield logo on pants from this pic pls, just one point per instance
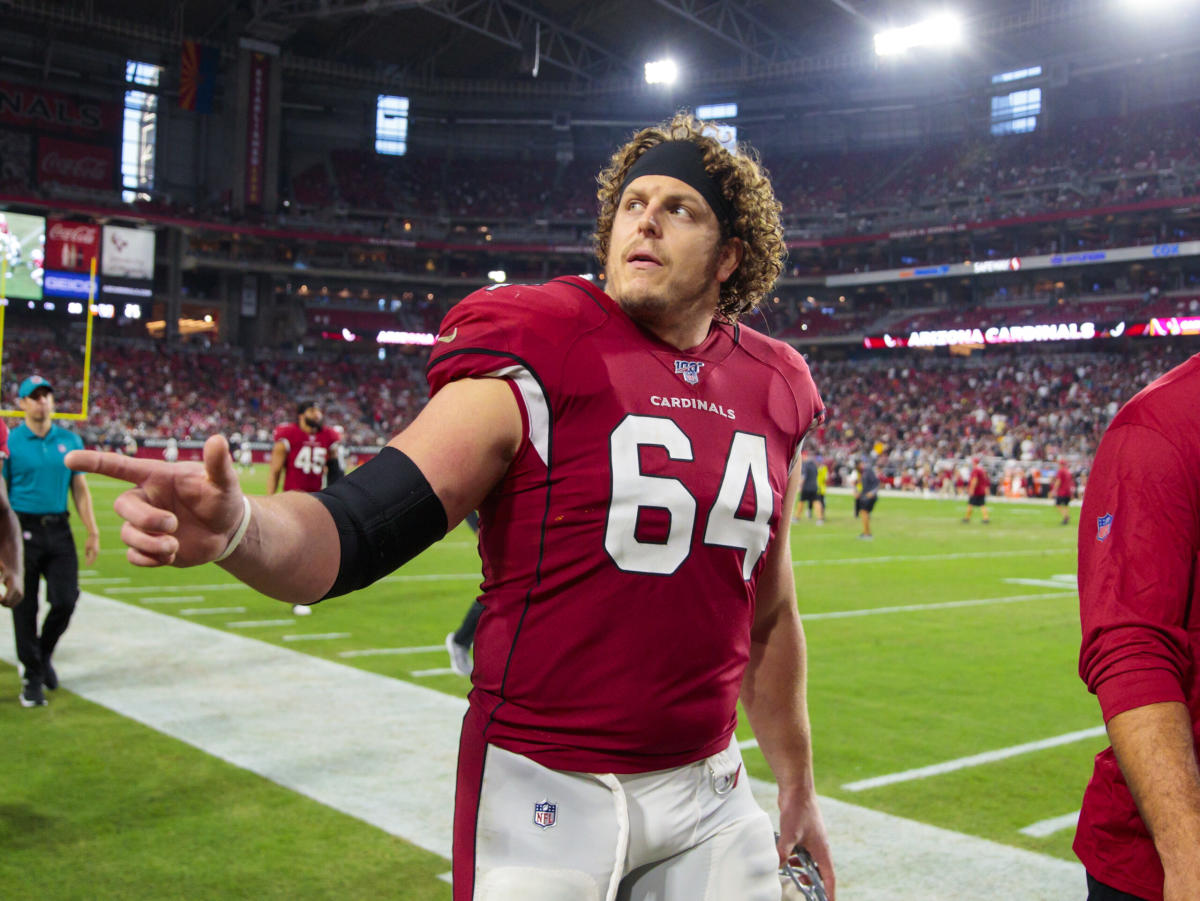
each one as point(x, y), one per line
point(1103, 526)
point(544, 814)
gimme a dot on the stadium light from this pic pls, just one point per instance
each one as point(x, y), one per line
point(662, 71)
point(944, 30)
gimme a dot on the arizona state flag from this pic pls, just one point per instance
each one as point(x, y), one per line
point(198, 77)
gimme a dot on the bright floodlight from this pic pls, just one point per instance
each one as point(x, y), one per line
point(944, 30)
point(661, 71)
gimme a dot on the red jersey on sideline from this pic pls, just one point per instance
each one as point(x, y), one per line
point(307, 455)
point(1139, 534)
point(979, 482)
point(646, 489)
point(3, 440)
point(1066, 483)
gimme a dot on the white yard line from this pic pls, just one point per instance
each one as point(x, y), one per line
point(320, 636)
point(140, 589)
point(384, 750)
point(259, 623)
point(1052, 582)
point(110, 580)
point(210, 611)
point(180, 599)
point(439, 671)
point(379, 652)
point(962, 763)
point(1054, 824)
point(942, 605)
point(910, 558)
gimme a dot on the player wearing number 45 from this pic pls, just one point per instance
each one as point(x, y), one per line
point(304, 451)
point(633, 457)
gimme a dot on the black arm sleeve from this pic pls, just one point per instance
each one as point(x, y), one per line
point(386, 513)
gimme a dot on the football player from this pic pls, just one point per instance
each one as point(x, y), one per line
point(633, 454)
point(303, 451)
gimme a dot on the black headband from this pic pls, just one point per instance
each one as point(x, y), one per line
point(683, 160)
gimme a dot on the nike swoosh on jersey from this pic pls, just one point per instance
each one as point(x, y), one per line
point(450, 337)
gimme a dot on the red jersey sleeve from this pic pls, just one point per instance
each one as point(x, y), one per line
point(3, 440)
point(529, 326)
point(281, 432)
point(1137, 546)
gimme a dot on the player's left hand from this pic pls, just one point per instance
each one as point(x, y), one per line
point(801, 823)
point(91, 549)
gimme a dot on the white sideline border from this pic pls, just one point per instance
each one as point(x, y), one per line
point(286, 715)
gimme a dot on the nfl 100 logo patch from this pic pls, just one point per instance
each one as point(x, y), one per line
point(1103, 526)
point(689, 369)
point(545, 813)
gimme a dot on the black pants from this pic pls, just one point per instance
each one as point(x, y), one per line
point(465, 634)
point(49, 553)
point(1098, 891)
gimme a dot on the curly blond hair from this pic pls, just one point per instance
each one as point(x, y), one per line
point(742, 181)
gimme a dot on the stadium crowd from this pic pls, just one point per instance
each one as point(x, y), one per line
point(918, 416)
point(1085, 164)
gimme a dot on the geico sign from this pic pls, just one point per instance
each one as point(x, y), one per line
point(1165, 250)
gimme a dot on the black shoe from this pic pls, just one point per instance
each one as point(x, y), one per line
point(32, 695)
point(49, 676)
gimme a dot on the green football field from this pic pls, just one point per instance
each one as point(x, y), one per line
point(942, 688)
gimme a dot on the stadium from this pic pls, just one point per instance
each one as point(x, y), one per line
point(209, 210)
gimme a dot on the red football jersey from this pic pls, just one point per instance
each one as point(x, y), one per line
point(622, 548)
point(1066, 482)
point(307, 455)
point(979, 481)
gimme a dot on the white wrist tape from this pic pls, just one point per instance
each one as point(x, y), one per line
point(240, 533)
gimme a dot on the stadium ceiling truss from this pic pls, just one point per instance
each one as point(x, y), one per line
point(572, 43)
point(512, 24)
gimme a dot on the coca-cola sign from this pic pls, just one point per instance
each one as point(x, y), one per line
point(71, 246)
point(76, 165)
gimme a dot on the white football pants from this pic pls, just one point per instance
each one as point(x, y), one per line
point(692, 833)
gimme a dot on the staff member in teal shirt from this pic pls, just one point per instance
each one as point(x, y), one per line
point(38, 483)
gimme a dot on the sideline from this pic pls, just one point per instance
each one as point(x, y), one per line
point(288, 716)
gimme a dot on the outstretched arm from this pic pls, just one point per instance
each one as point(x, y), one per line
point(185, 514)
point(774, 694)
point(12, 553)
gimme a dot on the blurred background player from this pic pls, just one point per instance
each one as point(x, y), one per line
point(866, 490)
point(305, 454)
point(1062, 489)
point(808, 485)
point(304, 451)
point(977, 489)
point(458, 642)
point(38, 483)
point(171, 450)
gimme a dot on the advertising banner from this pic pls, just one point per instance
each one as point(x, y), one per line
point(256, 127)
point(76, 165)
point(71, 246)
